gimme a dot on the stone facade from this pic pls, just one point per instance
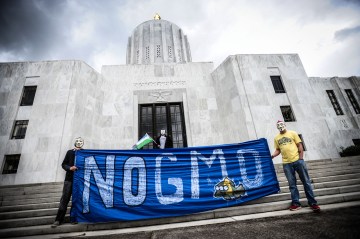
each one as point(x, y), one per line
point(233, 103)
point(342, 128)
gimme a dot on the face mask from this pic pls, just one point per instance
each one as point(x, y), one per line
point(79, 142)
point(281, 126)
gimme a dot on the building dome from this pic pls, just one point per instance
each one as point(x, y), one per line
point(157, 41)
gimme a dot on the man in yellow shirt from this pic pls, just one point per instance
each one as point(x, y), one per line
point(289, 144)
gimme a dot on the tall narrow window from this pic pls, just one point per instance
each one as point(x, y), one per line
point(11, 163)
point(353, 100)
point(19, 129)
point(170, 51)
point(334, 102)
point(278, 85)
point(179, 55)
point(287, 113)
point(28, 95)
point(147, 53)
point(158, 51)
point(137, 56)
point(302, 140)
point(168, 116)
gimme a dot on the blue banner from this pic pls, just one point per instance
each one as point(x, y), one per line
point(115, 185)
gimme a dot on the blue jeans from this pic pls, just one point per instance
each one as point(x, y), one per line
point(299, 166)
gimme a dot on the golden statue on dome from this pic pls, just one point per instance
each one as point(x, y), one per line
point(157, 17)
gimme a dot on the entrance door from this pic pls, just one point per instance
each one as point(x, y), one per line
point(168, 116)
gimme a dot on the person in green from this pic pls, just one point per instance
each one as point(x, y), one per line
point(289, 144)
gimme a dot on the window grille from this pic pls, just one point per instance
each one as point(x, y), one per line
point(158, 51)
point(287, 113)
point(168, 116)
point(334, 102)
point(147, 53)
point(11, 163)
point(28, 96)
point(278, 85)
point(19, 130)
point(170, 51)
point(353, 100)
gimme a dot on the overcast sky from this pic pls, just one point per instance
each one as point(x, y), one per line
point(325, 33)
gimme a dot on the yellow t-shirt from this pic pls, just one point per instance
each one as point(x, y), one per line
point(287, 143)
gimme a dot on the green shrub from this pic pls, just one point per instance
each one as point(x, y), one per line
point(350, 151)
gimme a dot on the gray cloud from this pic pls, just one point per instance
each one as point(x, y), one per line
point(28, 27)
point(96, 31)
point(44, 30)
point(346, 33)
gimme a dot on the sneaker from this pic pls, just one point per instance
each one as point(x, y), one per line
point(315, 208)
point(74, 223)
point(294, 207)
point(55, 224)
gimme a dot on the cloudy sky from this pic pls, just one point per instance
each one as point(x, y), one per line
point(325, 33)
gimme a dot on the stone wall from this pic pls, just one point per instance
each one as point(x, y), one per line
point(250, 105)
point(127, 86)
point(63, 108)
point(343, 128)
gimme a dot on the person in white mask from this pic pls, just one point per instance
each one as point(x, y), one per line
point(164, 141)
point(69, 166)
point(289, 144)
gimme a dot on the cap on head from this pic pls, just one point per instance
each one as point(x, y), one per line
point(79, 142)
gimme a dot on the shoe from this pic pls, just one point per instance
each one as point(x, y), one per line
point(294, 207)
point(55, 224)
point(74, 223)
point(315, 208)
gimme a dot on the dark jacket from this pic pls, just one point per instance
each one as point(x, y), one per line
point(168, 142)
point(68, 163)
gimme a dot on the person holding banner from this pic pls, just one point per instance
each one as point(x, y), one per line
point(289, 144)
point(69, 166)
point(164, 141)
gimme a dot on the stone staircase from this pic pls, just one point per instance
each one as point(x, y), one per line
point(29, 210)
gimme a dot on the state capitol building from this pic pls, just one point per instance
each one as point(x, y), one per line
point(44, 105)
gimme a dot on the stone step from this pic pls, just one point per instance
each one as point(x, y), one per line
point(355, 160)
point(28, 210)
point(30, 185)
point(219, 213)
point(30, 190)
point(34, 206)
point(335, 163)
point(54, 187)
point(26, 219)
point(32, 196)
point(318, 192)
point(24, 202)
point(329, 171)
point(333, 181)
point(57, 192)
point(152, 231)
point(331, 184)
point(27, 204)
point(55, 196)
point(325, 179)
point(28, 213)
point(319, 174)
